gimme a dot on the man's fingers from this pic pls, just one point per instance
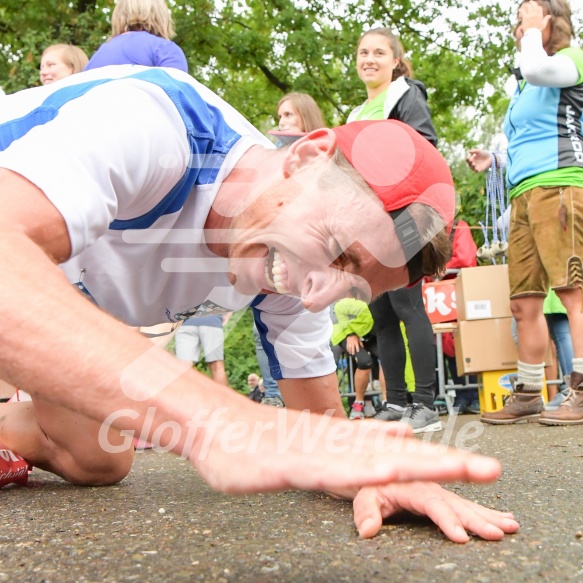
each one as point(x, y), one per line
point(485, 522)
point(454, 515)
point(409, 459)
point(502, 520)
point(426, 465)
point(475, 522)
point(446, 518)
point(355, 454)
point(368, 517)
point(455, 521)
point(415, 460)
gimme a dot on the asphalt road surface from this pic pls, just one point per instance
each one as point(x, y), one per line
point(163, 523)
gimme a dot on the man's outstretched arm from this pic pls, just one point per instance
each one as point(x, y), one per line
point(109, 373)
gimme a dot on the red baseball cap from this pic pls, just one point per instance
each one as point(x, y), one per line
point(399, 164)
point(401, 167)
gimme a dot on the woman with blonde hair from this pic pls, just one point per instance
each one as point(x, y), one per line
point(299, 111)
point(61, 60)
point(141, 35)
point(297, 114)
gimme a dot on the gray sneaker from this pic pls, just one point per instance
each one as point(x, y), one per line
point(369, 410)
point(272, 402)
point(390, 413)
point(422, 419)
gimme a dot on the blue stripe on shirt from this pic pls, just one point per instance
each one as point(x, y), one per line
point(210, 138)
point(274, 365)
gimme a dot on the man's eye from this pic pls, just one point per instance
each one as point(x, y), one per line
point(341, 261)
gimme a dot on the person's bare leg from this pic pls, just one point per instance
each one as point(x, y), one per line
point(64, 443)
point(361, 380)
point(526, 404)
point(552, 372)
point(383, 384)
point(533, 335)
point(572, 299)
point(569, 412)
point(217, 369)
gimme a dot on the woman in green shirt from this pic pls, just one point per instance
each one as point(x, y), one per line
point(392, 94)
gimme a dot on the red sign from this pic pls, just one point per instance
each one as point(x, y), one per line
point(439, 300)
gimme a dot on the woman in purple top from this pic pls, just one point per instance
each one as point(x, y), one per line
point(141, 33)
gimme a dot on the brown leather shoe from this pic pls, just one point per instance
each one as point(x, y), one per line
point(569, 413)
point(520, 406)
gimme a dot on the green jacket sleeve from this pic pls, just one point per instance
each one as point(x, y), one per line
point(353, 317)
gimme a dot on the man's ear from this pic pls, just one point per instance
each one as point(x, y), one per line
point(317, 144)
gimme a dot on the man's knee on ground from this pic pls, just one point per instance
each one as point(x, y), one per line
point(99, 469)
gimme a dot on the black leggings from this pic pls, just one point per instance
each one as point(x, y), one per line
point(388, 310)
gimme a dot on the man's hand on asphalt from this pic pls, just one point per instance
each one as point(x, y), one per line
point(454, 515)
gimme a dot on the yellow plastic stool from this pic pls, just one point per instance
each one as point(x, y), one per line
point(494, 385)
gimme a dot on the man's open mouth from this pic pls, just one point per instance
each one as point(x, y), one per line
point(276, 271)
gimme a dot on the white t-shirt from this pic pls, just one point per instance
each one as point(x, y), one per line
point(132, 157)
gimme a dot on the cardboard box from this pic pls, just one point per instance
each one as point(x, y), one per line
point(439, 300)
point(487, 345)
point(483, 293)
point(484, 345)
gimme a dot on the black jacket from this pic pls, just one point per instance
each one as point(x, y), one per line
point(413, 110)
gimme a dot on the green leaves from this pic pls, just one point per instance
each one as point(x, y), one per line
point(251, 52)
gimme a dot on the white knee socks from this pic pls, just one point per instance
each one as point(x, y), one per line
point(531, 375)
point(578, 365)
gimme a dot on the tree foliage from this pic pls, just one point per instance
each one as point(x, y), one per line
point(240, 359)
point(251, 52)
